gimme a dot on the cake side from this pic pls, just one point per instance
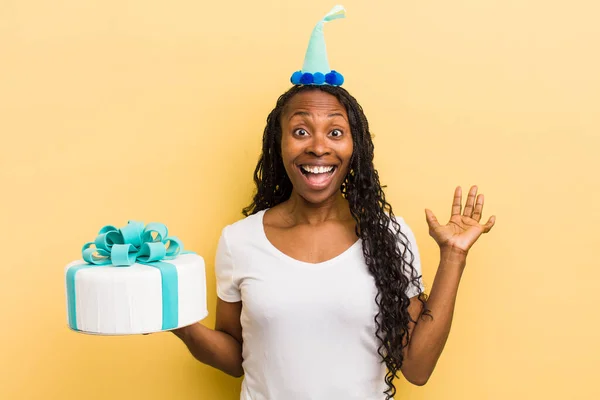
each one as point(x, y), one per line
point(192, 289)
point(122, 300)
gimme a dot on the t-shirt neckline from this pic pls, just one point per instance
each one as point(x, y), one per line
point(290, 259)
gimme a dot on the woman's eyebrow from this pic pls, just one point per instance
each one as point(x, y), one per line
point(299, 113)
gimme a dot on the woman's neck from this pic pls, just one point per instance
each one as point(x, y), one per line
point(301, 211)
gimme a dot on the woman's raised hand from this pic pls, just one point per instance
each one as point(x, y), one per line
point(463, 229)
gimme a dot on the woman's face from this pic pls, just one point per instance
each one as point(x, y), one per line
point(316, 144)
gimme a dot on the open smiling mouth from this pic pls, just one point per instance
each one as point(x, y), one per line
point(317, 176)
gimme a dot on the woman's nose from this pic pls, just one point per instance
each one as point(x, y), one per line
point(318, 145)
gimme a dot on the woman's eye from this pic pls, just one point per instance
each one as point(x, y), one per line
point(301, 132)
point(336, 133)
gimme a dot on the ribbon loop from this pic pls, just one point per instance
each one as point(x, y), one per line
point(132, 233)
point(96, 256)
point(174, 248)
point(151, 252)
point(123, 255)
point(100, 242)
point(113, 237)
point(107, 228)
point(159, 229)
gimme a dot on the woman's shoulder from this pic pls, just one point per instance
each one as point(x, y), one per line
point(404, 233)
point(245, 228)
point(399, 219)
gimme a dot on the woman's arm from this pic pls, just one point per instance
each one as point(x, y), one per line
point(429, 335)
point(220, 348)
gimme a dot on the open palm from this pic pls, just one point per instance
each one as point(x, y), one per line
point(463, 230)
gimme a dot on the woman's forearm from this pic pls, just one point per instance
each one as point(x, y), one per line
point(215, 348)
point(431, 331)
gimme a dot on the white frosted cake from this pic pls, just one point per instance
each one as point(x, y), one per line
point(135, 280)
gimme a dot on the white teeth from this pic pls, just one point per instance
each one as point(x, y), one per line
point(317, 169)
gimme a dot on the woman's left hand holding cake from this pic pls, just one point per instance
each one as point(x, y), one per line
point(135, 280)
point(221, 347)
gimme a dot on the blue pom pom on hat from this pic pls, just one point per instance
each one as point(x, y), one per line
point(316, 70)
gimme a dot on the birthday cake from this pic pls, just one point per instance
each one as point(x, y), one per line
point(135, 280)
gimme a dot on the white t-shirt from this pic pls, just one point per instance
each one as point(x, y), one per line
point(308, 329)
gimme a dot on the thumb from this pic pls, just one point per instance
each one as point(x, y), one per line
point(488, 226)
point(431, 219)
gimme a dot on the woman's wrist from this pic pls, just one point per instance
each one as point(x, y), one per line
point(183, 333)
point(450, 255)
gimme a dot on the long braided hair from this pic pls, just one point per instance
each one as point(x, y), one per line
point(389, 264)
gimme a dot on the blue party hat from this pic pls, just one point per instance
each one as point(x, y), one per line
point(316, 70)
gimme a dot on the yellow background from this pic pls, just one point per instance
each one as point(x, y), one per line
point(117, 110)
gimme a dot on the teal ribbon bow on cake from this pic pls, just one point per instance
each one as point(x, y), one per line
point(130, 244)
point(124, 247)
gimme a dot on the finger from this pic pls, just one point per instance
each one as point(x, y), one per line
point(431, 219)
point(478, 208)
point(468, 212)
point(457, 201)
point(488, 226)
